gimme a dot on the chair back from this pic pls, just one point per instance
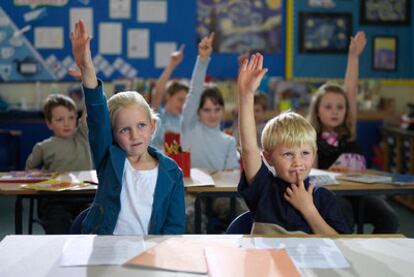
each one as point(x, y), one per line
point(241, 225)
point(76, 227)
point(9, 149)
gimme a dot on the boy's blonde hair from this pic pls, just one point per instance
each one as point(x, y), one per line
point(57, 100)
point(346, 128)
point(128, 98)
point(289, 129)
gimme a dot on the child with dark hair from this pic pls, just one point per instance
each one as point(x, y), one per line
point(203, 111)
point(67, 150)
point(260, 107)
point(175, 93)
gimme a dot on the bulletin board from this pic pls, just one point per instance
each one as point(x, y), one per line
point(325, 63)
point(131, 38)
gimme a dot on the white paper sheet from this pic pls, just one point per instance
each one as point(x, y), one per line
point(138, 43)
point(100, 250)
point(110, 38)
point(163, 52)
point(80, 176)
point(198, 178)
point(307, 252)
point(120, 9)
point(226, 178)
point(48, 37)
point(82, 13)
point(152, 11)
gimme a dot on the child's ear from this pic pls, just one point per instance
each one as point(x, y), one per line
point(48, 123)
point(267, 157)
point(153, 125)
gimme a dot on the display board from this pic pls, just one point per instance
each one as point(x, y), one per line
point(134, 38)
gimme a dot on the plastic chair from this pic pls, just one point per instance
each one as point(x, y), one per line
point(76, 227)
point(241, 225)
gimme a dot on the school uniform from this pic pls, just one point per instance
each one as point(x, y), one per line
point(264, 197)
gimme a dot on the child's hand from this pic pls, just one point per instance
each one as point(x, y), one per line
point(75, 73)
point(177, 56)
point(243, 57)
point(250, 75)
point(205, 47)
point(357, 44)
point(299, 197)
point(80, 41)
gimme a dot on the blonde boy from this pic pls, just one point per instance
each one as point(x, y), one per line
point(289, 144)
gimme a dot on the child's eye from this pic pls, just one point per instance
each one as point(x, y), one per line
point(141, 125)
point(288, 155)
point(306, 153)
point(124, 130)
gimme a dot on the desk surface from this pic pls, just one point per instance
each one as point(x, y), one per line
point(40, 256)
point(344, 187)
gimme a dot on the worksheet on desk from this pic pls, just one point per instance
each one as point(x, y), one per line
point(101, 250)
point(307, 252)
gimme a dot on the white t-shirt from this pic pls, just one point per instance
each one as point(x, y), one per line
point(137, 196)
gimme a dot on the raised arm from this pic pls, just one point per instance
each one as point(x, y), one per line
point(205, 48)
point(80, 41)
point(100, 133)
point(356, 47)
point(175, 59)
point(250, 75)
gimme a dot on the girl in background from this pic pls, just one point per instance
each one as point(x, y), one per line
point(333, 113)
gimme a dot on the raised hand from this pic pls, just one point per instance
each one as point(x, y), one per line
point(357, 44)
point(243, 57)
point(300, 197)
point(205, 47)
point(250, 75)
point(177, 56)
point(80, 41)
point(75, 73)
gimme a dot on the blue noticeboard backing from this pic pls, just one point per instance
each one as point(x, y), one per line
point(51, 64)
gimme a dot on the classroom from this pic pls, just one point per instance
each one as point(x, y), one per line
point(179, 137)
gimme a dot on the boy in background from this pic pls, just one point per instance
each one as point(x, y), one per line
point(67, 150)
point(289, 146)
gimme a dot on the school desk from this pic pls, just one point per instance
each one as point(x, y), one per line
point(14, 189)
point(40, 255)
point(229, 190)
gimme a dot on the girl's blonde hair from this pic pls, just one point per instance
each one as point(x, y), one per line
point(289, 129)
point(128, 98)
point(347, 128)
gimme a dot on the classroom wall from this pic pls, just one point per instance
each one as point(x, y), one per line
point(180, 28)
point(332, 65)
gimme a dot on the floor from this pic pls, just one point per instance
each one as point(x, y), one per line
point(7, 218)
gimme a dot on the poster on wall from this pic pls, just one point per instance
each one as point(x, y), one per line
point(324, 33)
point(384, 53)
point(241, 25)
